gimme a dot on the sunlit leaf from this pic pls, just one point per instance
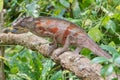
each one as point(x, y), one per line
point(105, 20)
point(88, 22)
point(118, 7)
point(1, 5)
point(116, 16)
point(95, 34)
point(14, 70)
point(71, 1)
point(112, 44)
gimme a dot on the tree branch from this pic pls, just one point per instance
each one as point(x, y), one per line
point(78, 64)
point(2, 51)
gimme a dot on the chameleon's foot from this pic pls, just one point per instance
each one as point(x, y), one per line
point(58, 52)
point(77, 50)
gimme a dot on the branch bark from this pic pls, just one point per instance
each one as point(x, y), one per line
point(2, 74)
point(78, 64)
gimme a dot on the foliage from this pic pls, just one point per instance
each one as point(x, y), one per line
point(1, 5)
point(100, 18)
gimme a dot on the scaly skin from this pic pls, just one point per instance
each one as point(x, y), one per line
point(62, 31)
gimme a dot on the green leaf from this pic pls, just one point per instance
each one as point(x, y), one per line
point(85, 51)
point(46, 68)
point(32, 9)
point(73, 20)
point(14, 77)
point(95, 34)
point(112, 44)
point(117, 60)
point(98, 1)
point(105, 20)
point(88, 22)
point(99, 60)
point(57, 76)
point(1, 5)
point(59, 12)
point(110, 49)
point(14, 70)
point(71, 1)
point(65, 3)
point(24, 76)
point(76, 9)
point(118, 7)
point(107, 70)
point(115, 79)
point(111, 26)
point(86, 3)
point(116, 16)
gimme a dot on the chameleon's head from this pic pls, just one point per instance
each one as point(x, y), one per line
point(22, 25)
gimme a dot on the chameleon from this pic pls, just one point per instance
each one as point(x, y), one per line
point(61, 31)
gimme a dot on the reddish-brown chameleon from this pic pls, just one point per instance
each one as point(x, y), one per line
point(61, 31)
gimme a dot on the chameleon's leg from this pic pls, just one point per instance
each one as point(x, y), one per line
point(65, 47)
point(52, 36)
point(54, 42)
point(77, 50)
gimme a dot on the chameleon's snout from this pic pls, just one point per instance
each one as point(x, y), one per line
point(8, 30)
point(15, 30)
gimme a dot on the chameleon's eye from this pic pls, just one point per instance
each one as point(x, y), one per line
point(23, 24)
point(14, 30)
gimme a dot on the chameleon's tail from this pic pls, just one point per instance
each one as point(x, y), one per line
point(90, 44)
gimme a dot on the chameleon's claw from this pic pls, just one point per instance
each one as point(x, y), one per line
point(58, 52)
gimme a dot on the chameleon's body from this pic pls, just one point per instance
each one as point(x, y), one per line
point(62, 31)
